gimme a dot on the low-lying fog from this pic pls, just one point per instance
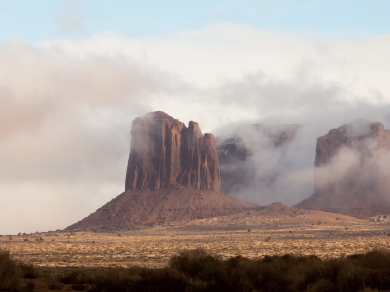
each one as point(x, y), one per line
point(67, 106)
point(285, 173)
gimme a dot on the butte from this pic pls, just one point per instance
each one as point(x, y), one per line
point(351, 174)
point(173, 174)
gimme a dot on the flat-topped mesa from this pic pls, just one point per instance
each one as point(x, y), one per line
point(164, 152)
point(351, 174)
point(352, 135)
point(367, 139)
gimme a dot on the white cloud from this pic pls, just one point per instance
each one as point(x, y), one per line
point(67, 105)
point(70, 16)
point(227, 51)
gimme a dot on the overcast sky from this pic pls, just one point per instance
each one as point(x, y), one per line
point(74, 74)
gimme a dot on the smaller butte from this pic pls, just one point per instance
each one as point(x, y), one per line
point(361, 149)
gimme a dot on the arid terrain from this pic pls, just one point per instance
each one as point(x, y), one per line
point(273, 230)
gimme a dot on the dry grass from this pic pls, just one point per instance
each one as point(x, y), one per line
point(310, 233)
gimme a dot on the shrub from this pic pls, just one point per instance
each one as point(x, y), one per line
point(54, 286)
point(78, 276)
point(79, 287)
point(29, 271)
point(139, 279)
point(194, 262)
point(9, 272)
point(197, 270)
point(119, 279)
point(30, 287)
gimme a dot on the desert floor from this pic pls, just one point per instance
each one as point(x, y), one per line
point(251, 235)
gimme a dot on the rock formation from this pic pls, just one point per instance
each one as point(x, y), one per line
point(236, 150)
point(351, 172)
point(166, 205)
point(173, 174)
point(164, 152)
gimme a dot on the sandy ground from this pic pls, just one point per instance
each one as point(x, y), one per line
point(251, 235)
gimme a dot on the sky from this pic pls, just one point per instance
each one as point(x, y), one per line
point(74, 74)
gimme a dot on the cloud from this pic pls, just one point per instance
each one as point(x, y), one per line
point(272, 174)
point(64, 132)
point(266, 72)
point(227, 51)
point(71, 24)
point(67, 107)
point(70, 17)
point(236, 9)
point(358, 174)
point(288, 173)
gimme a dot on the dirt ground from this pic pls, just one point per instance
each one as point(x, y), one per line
point(252, 235)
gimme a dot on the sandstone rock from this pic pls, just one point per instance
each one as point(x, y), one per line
point(350, 176)
point(354, 136)
point(173, 174)
point(164, 152)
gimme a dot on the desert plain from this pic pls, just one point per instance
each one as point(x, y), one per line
point(274, 230)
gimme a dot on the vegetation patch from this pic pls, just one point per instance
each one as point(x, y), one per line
point(12, 271)
point(198, 270)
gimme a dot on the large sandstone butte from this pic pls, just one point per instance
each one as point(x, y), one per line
point(351, 174)
point(164, 152)
point(173, 174)
point(236, 151)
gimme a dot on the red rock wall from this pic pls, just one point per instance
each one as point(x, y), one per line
point(361, 136)
point(164, 152)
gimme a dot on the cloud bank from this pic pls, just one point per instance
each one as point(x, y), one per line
point(67, 105)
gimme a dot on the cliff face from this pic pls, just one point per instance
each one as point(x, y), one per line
point(354, 136)
point(164, 152)
point(351, 173)
point(366, 141)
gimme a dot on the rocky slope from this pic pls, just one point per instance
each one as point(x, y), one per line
point(173, 174)
point(351, 171)
point(156, 207)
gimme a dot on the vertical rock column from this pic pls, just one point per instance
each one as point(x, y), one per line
point(164, 152)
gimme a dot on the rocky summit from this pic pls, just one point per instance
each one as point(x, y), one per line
point(173, 174)
point(351, 174)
